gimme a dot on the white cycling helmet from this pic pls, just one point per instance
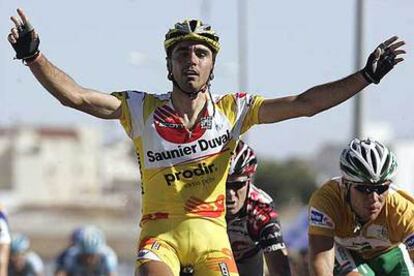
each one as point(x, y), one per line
point(367, 161)
point(20, 243)
point(92, 240)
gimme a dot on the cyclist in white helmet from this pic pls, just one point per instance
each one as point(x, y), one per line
point(360, 223)
point(253, 223)
point(4, 242)
point(23, 261)
point(74, 239)
point(89, 255)
point(184, 138)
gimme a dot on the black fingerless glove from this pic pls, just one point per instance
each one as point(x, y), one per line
point(379, 63)
point(27, 46)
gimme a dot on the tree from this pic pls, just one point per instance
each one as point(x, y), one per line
point(291, 180)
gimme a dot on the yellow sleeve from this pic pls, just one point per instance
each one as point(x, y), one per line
point(241, 109)
point(252, 116)
point(401, 218)
point(322, 215)
point(125, 119)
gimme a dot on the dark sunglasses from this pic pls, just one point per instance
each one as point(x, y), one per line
point(236, 184)
point(367, 189)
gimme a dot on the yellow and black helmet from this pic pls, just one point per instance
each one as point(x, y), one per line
point(193, 30)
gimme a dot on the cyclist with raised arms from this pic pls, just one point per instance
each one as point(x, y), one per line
point(361, 223)
point(184, 138)
point(252, 221)
point(89, 255)
point(4, 242)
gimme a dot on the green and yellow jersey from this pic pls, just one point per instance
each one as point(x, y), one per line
point(330, 215)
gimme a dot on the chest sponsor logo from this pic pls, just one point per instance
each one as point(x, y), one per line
point(182, 152)
point(318, 218)
point(206, 122)
point(409, 242)
point(200, 170)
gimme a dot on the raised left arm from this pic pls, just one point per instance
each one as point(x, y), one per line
point(322, 97)
point(312, 101)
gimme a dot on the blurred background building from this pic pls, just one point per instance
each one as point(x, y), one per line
point(64, 165)
point(54, 179)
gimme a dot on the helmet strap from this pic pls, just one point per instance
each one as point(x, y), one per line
point(191, 95)
point(243, 209)
point(357, 220)
point(249, 181)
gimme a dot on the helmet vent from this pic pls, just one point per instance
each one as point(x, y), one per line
point(367, 161)
point(192, 30)
point(361, 167)
point(193, 25)
point(374, 161)
point(386, 165)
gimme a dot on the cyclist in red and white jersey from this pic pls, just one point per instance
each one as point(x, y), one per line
point(252, 221)
point(184, 138)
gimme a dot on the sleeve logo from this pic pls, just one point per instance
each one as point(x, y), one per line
point(320, 219)
point(409, 242)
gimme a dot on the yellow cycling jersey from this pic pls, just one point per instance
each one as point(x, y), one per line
point(330, 215)
point(183, 172)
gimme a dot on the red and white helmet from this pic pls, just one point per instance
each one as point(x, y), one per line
point(243, 161)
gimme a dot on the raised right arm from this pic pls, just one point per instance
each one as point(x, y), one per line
point(25, 41)
point(71, 94)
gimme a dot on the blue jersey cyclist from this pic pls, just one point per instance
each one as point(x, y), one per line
point(89, 256)
point(252, 221)
point(75, 238)
point(184, 138)
point(24, 261)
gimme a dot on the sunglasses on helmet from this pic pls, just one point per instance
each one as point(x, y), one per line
point(369, 188)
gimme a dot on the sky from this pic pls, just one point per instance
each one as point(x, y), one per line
point(292, 46)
